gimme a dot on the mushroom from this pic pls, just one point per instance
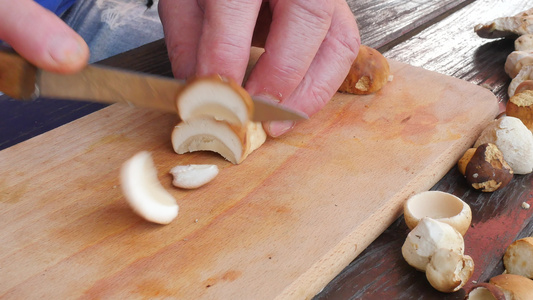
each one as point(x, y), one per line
point(143, 191)
point(449, 270)
point(193, 176)
point(428, 236)
point(521, 106)
point(524, 43)
point(487, 170)
point(440, 206)
point(516, 60)
point(525, 73)
point(513, 139)
point(485, 291)
point(234, 143)
point(216, 97)
point(514, 286)
point(525, 85)
point(368, 74)
point(463, 161)
point(518, 258)
point(516, 25)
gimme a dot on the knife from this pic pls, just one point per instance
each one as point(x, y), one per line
point(21, 80)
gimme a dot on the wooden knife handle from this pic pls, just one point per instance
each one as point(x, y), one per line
point(17, 76)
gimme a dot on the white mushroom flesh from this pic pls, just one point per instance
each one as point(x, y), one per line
point(143, 191)
point(448, 270)
point(519, 24)
point(524, 43)
point(525, 73)
point(193, 176)
point(513, 139)
point(516, 61)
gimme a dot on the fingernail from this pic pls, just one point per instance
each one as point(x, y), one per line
point(277, 128)
point(66, 49)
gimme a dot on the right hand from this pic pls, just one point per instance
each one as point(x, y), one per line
point(41, 37)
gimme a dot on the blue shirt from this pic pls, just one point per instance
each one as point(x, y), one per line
point(56, 6)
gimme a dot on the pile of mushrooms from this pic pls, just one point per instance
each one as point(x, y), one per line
point(435, 244)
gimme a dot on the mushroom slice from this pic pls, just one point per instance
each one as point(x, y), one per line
point(214, 96)
point(518, 258)
point(524, 43)
point(525, 73)
point(193, 176)
point(485, 291)
point(143, 191)
point(519, 24)
point(516, 60)
point(428, 236)
point(448, 270)
point(234, 143)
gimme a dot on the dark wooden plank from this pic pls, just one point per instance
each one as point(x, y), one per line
point(449, 47)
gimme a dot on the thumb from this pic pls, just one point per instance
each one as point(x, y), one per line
point(41, 37)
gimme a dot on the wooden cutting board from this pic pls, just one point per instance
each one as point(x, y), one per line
point(280, 225)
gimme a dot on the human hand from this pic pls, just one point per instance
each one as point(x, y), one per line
point(309, 47)
point(41, 37)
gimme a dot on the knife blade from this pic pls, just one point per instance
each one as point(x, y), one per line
point(21, 80)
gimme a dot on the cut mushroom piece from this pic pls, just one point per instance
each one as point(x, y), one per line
point(143, 191)
point(440, 206)
point(524, 43)
point(518, 258)
point(516, 60)
point(521, 106)
point(215, 97)
point(517, 25)
point(487, 171)
point(428, 236)
point(485, 291)
point(234, 143)
point(193, 176)
point(368, 74)
point(448, 270)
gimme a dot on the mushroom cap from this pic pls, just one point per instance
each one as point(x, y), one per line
point(448, 270)
point(485, 291)
point(514, 286)
point(524, 43)
point(440, 206)
point(525, 73)
point(518, 258)
point(368, 74)
point(487, 170)
point(143, 191)
point(217, 97)
point(521, 106)
point(513, 139)
point(428, 236)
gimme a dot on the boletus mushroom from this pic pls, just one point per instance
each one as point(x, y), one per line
point(215, 115)
point(521, 106)
point(449, 270)
point(513, 26)
point(368, 74)
point(485, 169)
point(518, 258)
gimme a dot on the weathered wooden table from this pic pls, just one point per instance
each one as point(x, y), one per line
point(434, 34)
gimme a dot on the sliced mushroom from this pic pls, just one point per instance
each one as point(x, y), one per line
point(368, 74)
point(516, 60)
point(485, 291)
point(518, 258)
point(428, 236)
point(193, 176)
point(215, 97)
point(143, 191)
point(525, 73)
point(519, 24)
point(448, 270)
point(234, 143)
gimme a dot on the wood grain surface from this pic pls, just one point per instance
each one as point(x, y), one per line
point(282, 224)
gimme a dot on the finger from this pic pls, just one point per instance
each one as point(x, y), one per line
point(328, 69)
point(297, 30)
point(224, 47)
point(182, 25)
point(41, 37)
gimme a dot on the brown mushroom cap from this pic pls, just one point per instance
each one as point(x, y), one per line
point(487, 170)
point(514, 286)
point(368, 74)
point(521, 106)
